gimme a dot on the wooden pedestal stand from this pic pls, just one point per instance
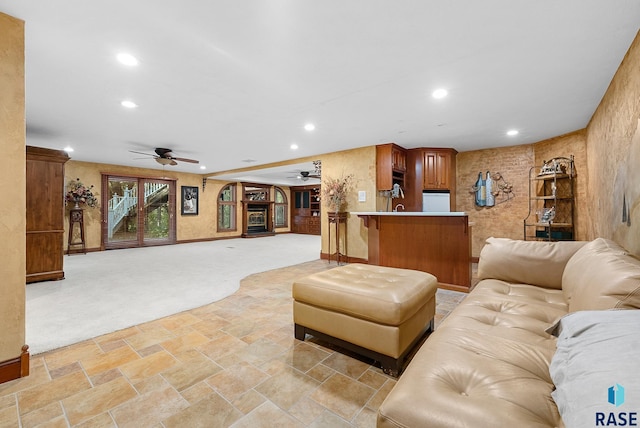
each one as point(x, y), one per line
point(335, 220)
point(76, 217)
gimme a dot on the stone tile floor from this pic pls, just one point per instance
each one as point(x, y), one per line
point(230, 363)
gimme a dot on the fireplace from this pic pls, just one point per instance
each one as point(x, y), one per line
point(257, 219)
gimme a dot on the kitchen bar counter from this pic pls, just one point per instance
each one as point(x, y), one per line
point(412, 213)
point(437, 243)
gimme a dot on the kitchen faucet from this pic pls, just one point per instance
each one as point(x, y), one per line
point(398, 206)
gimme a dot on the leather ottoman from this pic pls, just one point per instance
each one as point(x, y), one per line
point(378, 312)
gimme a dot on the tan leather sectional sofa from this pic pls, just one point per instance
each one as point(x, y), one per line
point(487, 363)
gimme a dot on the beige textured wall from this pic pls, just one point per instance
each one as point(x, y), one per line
point(614, 156)
point(362, 164)
point(200, 227)
point(12, 188)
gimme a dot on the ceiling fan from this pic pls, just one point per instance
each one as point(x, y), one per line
point(166, 157)
point(305, 175)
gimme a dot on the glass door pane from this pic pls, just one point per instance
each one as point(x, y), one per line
point(122, 212)
point(139, 212)
point(157, 220)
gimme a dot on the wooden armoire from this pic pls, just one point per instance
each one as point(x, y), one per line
point(45, 213)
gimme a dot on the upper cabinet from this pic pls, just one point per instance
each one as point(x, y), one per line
point(391, 163)
point(439, 169)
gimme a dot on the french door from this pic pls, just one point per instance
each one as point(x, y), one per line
point(137, 211)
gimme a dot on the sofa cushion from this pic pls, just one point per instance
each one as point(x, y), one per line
point(602, 275)
point(597, 353)
point(526, 262)
point(486, 365)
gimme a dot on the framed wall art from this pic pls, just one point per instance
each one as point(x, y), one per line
point(189, 200)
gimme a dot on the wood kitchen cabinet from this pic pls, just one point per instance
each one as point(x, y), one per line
point(439, 169)
point(391, 166)
point(45, 214)
point(439, 172)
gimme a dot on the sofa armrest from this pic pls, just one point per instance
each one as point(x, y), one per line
point(526, 262)
point(602, 275)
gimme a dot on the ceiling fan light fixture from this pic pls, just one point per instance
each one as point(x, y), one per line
point(164, 161)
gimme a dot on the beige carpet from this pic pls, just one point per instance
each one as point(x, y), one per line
point(111, 290)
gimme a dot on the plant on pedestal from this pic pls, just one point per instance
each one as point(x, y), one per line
point(335, 191)
point(80, 195)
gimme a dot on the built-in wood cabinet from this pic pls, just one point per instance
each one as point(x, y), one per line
point(431, 169)
point(305, 211)
point(439, 169)
point(45, 213)
point(439, 172)
point(391, 166)
point(257, 207)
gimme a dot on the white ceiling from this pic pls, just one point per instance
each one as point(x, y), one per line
point(225, 82)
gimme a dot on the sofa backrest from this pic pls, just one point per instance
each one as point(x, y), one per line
point(538, 263)
point(602, 275)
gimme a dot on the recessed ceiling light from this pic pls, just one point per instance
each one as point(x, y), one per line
point(512, 132)
point(128, 104)
point(127, 59)
point(309, 127)
point(439, 93)
point(294, 146)
point(203, 167)
point(68, 149)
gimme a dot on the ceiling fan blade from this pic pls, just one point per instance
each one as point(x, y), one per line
point(141, 153)
point(185, 160)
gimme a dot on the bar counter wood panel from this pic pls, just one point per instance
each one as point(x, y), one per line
point(439, 245)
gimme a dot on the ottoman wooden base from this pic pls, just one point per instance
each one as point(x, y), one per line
point(389, 365)
point(378, 312)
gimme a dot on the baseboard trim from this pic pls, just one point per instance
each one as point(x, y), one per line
point(75, 252)
point(15, 368)
point(454, 287)
point(346, 259)
point(218, 238)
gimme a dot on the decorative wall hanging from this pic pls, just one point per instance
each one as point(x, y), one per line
point(189, 200)
point(491, 190)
